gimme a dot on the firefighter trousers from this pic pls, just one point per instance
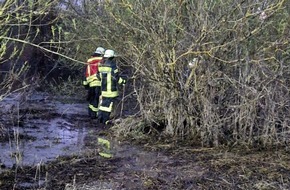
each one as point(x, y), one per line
point(93, 99)
point(106, 107)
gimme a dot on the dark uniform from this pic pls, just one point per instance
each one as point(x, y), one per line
point(109, 75)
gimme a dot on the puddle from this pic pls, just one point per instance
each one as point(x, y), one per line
point(49, 128)
point(45, 128)
point(43, 141)
point(42, 136)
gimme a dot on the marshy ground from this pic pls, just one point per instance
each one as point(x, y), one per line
point(50, 143)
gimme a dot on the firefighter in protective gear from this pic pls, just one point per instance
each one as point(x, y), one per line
point(92, 83)
point(109, 76)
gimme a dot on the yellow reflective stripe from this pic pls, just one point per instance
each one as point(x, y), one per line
point(116, 70)
point(105, 155)
point(110, 94)
point(94, 58)
point(88, 70)
point(104, 142)
point(107, 109)
point(109, 82)
point(105, 69)
point(91, 78)
point(95, 83)
point(93, 108)
point(106, 150)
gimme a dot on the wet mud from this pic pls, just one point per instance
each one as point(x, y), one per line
point(49, 142)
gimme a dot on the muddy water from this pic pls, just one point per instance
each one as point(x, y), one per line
point(40, 129)
point(44, 127)
point(41, 141)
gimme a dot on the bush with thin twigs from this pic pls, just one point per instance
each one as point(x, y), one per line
point(211, 70)
point(32, 42)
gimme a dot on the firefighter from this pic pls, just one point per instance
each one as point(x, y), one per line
point(109, 76)
point(92, 83)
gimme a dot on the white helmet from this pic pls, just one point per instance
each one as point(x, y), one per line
point(109, 53)
point(100, 50)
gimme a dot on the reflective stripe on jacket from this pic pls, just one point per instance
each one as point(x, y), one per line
point(109, 75)
point(91, 71)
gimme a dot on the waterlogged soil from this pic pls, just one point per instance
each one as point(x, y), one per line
point(49, 142)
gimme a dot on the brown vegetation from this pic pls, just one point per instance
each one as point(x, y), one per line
point(204, 73)
point(214, 72)
point(236, 89)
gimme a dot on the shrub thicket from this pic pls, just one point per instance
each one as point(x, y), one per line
point(214, 70)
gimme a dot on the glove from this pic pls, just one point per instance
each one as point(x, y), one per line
point(123, 82)
point(86, 85)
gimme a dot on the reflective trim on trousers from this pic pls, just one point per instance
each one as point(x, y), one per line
point(107, 109)
point(110, 94)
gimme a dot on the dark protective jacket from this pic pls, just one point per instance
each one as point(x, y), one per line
point(91, 71)
point(109, 75)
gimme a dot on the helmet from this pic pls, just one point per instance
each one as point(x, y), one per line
point(109, 53)
point(100, 50)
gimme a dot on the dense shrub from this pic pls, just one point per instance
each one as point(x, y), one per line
point(237, 88)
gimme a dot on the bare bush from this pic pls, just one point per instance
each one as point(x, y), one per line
point(32, 43)
point(237, 89)
point(212, 71)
